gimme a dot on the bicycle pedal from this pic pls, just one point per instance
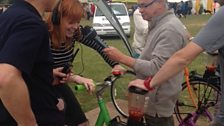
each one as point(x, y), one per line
point(116, 121)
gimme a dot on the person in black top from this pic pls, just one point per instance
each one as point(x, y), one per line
point(26, 90)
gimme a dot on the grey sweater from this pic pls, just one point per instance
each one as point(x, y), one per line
point(167, 35)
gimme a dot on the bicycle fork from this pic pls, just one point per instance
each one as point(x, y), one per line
point(103, 116)
point(192, 118)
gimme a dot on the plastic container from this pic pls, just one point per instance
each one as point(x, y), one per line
point(136, 103)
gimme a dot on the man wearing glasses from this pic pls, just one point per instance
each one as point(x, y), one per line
point(167, 35)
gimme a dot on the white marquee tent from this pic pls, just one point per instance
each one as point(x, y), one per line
point(177, 0)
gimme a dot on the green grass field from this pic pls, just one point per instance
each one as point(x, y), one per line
point(97, 69)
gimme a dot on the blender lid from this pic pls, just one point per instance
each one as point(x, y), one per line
point(137, 90)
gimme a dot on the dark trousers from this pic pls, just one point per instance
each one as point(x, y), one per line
point(159, 121)
point(73, 111)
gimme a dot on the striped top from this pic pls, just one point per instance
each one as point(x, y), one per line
point(62, 55)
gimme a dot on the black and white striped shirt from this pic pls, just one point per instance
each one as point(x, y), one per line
point(62, 55)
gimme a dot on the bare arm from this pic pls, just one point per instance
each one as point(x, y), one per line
point(14, 95)
point(176, 63)
point(116, 55)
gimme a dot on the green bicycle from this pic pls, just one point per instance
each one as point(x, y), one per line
point(104, 117)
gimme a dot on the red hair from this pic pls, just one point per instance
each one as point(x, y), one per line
point(69, 9)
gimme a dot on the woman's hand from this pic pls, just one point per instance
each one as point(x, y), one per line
point(58, 75)
point(88, 83)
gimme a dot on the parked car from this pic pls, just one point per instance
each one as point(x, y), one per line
point(103, 26)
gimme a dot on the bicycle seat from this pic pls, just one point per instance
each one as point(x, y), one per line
point(215, 53)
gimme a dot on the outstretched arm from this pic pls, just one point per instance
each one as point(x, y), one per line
point(176, 63)
point(172, 67)
point(118, 56)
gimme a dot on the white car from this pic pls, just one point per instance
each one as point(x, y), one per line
point(103, 26)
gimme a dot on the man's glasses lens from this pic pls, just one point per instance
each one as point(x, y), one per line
point(146, 5)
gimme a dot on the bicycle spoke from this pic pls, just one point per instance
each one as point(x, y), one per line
point(206, 96)
point(119, 93)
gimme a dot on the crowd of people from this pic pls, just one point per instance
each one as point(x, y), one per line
point(89, 10)
point(37, 40)
point(182, 9)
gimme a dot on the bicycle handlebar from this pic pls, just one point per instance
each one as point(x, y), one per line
point(107, 82)
point(80, 87)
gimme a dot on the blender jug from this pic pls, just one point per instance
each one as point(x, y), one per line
point(136, 105)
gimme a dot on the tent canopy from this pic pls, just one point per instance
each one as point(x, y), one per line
point(177, 1)
point(125, 1)
point(131, 1)
point(135, 1)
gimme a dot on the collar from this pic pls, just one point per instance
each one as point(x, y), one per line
point(156, 20)
point(27, 5)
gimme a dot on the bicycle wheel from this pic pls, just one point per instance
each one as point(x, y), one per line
point(204, 94)
point(119, 92)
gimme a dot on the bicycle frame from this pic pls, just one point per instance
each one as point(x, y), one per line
point(104, 116)
point(186, 74)
point(201, 109)
point(191, 119)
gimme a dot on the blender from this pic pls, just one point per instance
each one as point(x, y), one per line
point(136, 106)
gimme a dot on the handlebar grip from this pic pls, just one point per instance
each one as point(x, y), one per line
point(117, 73)
point(80, 87)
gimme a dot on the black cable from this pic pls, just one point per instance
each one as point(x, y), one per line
point(82, 62)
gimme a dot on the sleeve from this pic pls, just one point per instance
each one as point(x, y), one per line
point(211, 37)
point(22, 46)
point(168, 42)
point(99, 48)
point(90, 38)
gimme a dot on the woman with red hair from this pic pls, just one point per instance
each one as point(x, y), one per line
point(64, 28)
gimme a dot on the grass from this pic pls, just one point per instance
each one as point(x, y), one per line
point(97, 69)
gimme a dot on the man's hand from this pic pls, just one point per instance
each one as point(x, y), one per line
point(138, 83)
point(119, 68)
point(114, 54)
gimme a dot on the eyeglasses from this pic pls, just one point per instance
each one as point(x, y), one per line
point(145, 6)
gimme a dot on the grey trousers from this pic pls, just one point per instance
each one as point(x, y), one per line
point(159, 121)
